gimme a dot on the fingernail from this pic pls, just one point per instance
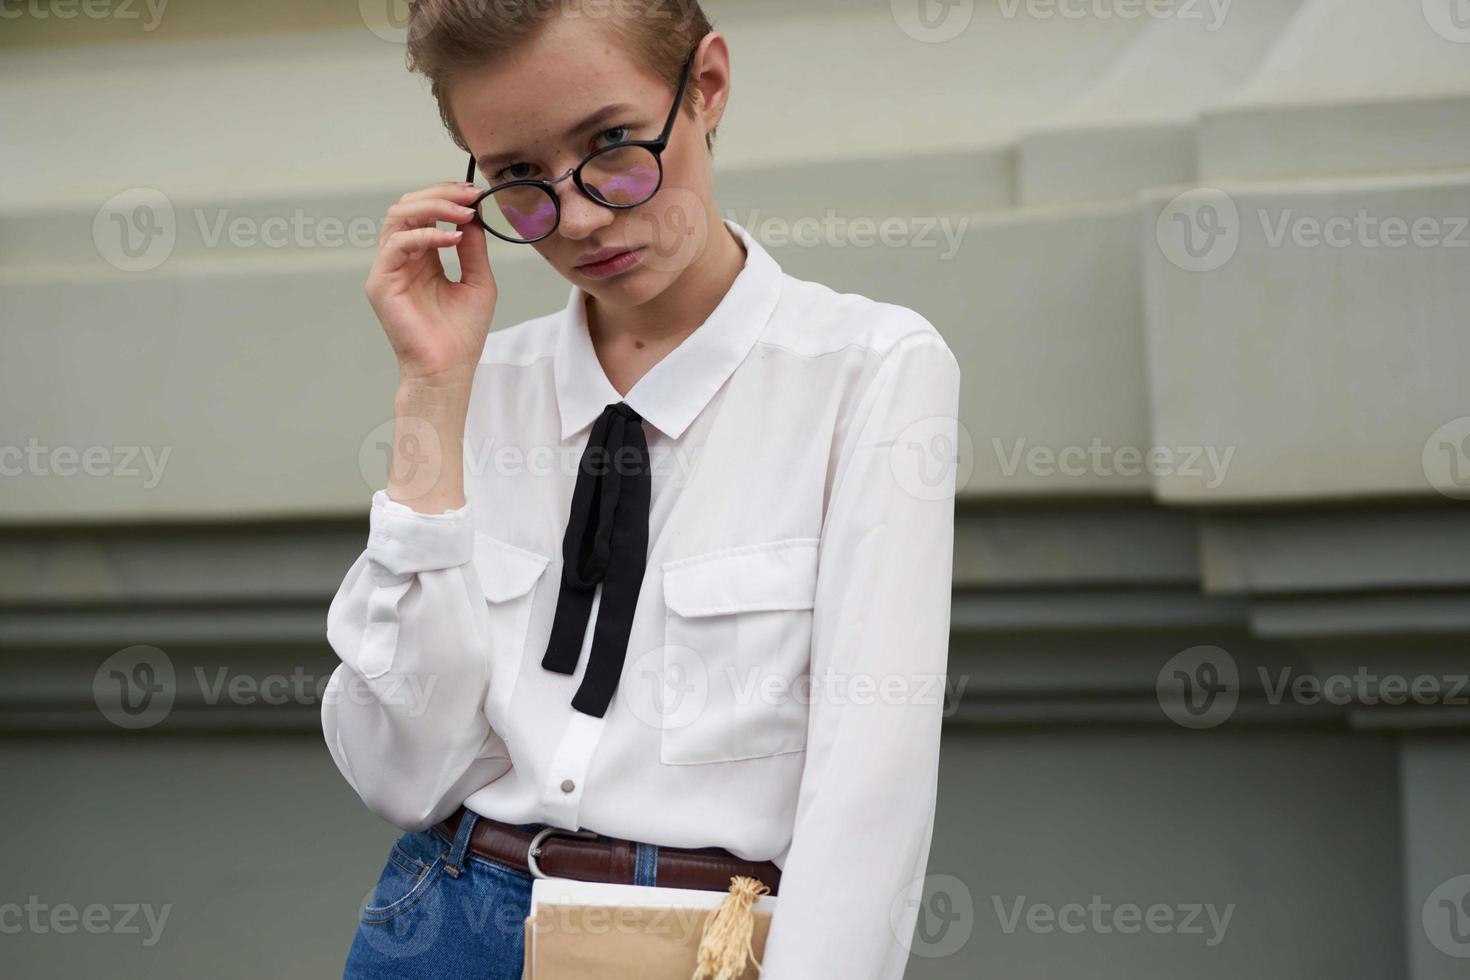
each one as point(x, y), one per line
point(456, 234)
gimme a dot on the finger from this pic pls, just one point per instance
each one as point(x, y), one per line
point(406, 246)
point(423, 212)
point(474, 257)
point(453, 190)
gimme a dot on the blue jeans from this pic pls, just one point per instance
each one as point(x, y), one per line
point(439, 910)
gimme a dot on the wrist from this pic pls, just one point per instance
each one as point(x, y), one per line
point(440, 398)
point(450, 378)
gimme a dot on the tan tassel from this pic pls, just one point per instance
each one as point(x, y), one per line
point(724, 946)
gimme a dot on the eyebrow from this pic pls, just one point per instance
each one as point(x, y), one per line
point(492, 161)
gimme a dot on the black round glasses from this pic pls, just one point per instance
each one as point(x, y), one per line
point(623, 175)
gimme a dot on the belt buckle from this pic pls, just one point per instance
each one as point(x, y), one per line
point(544, 833)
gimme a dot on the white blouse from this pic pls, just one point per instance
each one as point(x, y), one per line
point(782, 690)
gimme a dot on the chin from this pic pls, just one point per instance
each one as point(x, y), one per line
point(633, 288)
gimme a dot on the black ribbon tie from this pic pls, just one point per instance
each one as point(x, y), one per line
point(606, 541)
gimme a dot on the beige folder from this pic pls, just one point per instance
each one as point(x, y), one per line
point(580, 930)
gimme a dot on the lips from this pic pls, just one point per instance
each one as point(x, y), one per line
point(617, 261)
point(601, 255)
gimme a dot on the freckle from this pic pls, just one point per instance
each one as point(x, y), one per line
point(638, 344)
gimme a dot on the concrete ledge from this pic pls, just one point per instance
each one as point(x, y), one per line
point(1313, 330)
point(1417, 135)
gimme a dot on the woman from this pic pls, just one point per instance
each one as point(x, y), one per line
point(682, 609)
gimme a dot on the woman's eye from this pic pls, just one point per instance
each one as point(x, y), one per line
point(620, 134)
point(515, 171)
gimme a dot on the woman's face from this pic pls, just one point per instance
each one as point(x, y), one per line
point(574, 89)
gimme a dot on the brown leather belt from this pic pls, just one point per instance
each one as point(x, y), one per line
point(601, 858)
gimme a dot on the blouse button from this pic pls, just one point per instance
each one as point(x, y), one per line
point(567, 785)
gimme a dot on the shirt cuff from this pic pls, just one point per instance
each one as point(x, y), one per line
point(406, 542)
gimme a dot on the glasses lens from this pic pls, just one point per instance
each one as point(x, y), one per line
point(520, 212)
point(622, 175)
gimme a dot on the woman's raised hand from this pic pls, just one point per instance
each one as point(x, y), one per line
point(437, 326)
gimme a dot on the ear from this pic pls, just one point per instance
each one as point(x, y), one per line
point(711, 80)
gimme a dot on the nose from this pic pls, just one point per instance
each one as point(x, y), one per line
point(580, 215)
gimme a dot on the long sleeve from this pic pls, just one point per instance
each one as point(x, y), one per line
point(403, 715)
point(853, 875)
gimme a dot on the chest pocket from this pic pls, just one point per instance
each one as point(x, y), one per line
point(737, 652)
point(508, 575)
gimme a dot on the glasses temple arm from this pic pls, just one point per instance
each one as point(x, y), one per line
point(678, 97)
